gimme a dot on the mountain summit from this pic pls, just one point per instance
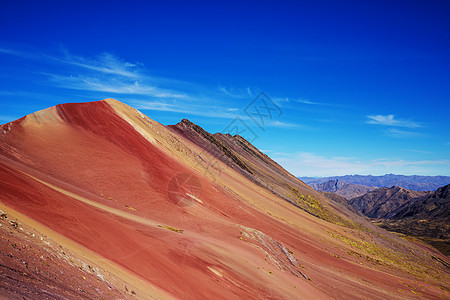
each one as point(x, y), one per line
point(131, 208)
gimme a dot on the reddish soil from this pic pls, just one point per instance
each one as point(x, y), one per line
point(32, 266)
point(86, 173)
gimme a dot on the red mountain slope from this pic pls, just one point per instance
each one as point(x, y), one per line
point(142, 200)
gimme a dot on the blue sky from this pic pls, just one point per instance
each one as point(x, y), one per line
point(361, 87)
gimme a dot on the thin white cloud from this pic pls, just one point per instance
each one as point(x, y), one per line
point(190, 108)
point(11, 52)
point(310, 164)
point(265, 150)
point(106, 63)
point(103, 73)
point(184, 107)
point(399, 133)
point(109, 74)
point(305, 101)
point(417, 151)
point(228, 92)
point(282, 124)
point(20, 53)
point(280, 100)
point(389, 120)
point(236, 93)
point(156, 105)
point(112, 85)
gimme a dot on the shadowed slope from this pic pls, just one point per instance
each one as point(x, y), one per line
point(243, 157)
point(383, 202)
point(426, 217)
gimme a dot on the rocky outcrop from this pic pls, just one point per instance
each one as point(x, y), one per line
point(344, 189)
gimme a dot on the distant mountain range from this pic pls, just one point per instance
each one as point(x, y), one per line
point(413, 205)
point(413, 182)
point(416, 213)
point(433, 206)
point(383, 203)
point(344, 189)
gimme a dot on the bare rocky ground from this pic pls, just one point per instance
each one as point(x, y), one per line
point(32, 266)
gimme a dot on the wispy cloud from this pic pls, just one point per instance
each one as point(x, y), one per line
point(20, 53)
point(286, 100)
point(106, 63)
point(112, 85)
point(196, 109)
point(399, 133)
point(304, 101)
point(159, 106)
point(106, 74)
point(265, 150)
point(236, 93)
point(417, 151)
point(182, 106)
point(283, 124)
point(310, 164)
point(103, 73)
point(390, 120)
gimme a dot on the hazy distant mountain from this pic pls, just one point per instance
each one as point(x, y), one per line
point(413, 182)
point(344, 189)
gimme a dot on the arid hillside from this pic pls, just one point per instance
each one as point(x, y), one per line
point(383, 202)
point(100, 201)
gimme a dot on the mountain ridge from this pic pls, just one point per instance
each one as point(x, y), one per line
point(383, 202)
point(344, 189)
point(191, 214)
point(420, 214)
point(410, 182)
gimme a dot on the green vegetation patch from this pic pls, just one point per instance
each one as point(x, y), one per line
point(174, 229)
point(315, 208)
